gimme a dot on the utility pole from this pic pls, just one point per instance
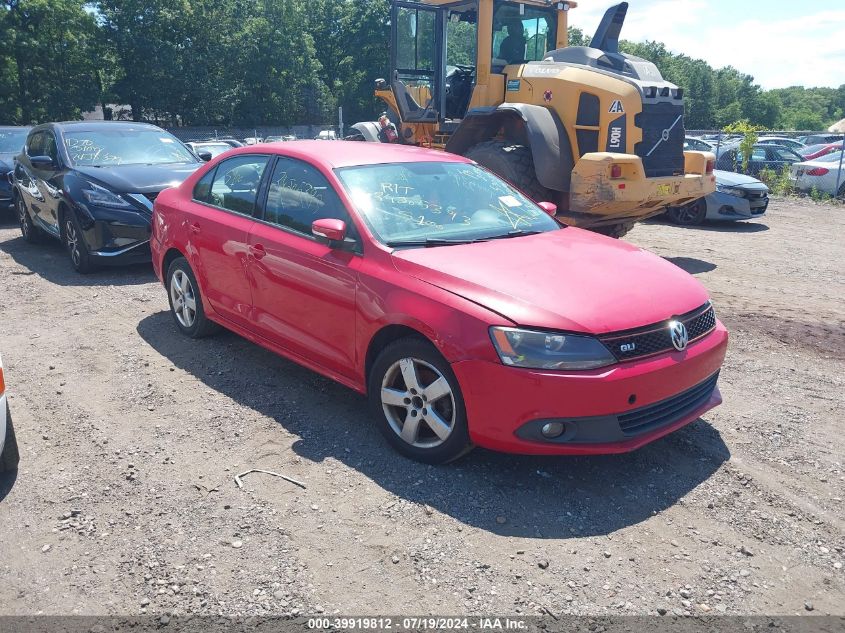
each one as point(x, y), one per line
point(340, 122)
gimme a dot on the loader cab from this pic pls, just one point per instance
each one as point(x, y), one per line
point(448, 56)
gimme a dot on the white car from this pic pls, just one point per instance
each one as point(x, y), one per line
point(8, 445)
point(820, 174)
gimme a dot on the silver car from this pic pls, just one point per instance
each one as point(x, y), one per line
point(8, 443)
point(737, 197)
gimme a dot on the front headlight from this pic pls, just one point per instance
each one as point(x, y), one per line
point(102, 197)
point(731, 191)
point(548, 350)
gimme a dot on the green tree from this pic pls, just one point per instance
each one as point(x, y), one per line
point(47, 65)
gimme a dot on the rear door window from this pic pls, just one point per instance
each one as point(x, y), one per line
point(236, 182)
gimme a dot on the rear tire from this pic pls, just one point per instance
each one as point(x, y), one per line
point(29, 231)
point(416, 398)
point(183, 294)
point(689, 215)
point(512, 162)
point(614, 230)
point(10, 457)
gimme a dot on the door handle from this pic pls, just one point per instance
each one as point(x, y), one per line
point(195, 227)
point(257, 251)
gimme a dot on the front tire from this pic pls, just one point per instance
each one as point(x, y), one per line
point(29, 231)
point(416, 398)
point(183, 293)
point(689, 215)
point(512, 162)
point(77, 249)
point(10, 457)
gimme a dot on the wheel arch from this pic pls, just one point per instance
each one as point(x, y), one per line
point(384, 337)
point(170, 256)
point(535, 126)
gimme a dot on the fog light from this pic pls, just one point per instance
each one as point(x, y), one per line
point(552, 430)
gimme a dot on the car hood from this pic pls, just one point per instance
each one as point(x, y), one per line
point(571, 280)
point(140, 178)
point(730, 179)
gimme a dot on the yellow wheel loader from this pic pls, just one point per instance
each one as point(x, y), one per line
point(597, 132)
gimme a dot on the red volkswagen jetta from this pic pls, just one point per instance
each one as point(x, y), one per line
point(466, 313)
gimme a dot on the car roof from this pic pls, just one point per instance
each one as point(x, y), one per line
point(334, 154)
point(85, 126)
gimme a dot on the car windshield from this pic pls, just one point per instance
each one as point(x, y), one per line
point(11, 141)
point(430, 202)
point(102, 148)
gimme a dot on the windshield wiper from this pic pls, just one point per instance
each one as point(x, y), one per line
point(429, 241)
point(439, 241)
point(517, 233)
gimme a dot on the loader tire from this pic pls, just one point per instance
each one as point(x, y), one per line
point(614, 230)
point(512, 162)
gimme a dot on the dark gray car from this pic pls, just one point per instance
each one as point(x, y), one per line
point(737, 197)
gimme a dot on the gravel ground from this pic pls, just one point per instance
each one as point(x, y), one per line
point(131, 435)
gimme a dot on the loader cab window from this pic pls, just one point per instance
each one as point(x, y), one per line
point(415, 62)
point(521, 37)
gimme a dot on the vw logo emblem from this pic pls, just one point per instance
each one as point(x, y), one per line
point(679, 334)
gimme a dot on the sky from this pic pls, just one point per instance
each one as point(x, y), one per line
point(779, 42)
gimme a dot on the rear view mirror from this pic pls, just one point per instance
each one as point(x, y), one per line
point(42, 162)
point(549, 207)
point(330, 229)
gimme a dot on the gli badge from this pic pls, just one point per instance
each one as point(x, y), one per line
point(547, 96)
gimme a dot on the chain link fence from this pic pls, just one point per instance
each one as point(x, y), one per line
point(242, 134)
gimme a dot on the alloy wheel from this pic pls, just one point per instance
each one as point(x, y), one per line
point(183, 298)
point(23, 219)
point(72, 242)
point(418, 403)
point(689, 214)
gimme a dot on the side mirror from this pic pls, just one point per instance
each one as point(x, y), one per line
point(204, 155)
point(42, 162)
point(330, 229)
point(548, 207)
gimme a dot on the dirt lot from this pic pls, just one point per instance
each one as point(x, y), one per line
point(131, 435)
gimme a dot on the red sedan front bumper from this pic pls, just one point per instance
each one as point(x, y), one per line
point(506, 406)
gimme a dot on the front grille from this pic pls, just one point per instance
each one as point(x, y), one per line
point(667, 411)
point(656, 338)
point(662, 155)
